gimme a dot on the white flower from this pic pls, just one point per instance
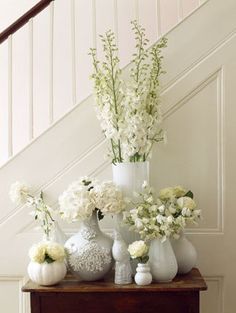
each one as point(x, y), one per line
point(85, 195)
point(108, 198)
point(166, 193)
point(41, 251)
point(37, 252)
point(138, 249)
point(55, 251)
point(186, 202)
point(18, 192)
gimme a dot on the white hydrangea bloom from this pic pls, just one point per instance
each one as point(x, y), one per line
point(19, 192)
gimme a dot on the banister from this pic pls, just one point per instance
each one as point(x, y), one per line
point(35, 10)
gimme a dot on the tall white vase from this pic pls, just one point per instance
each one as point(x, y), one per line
point(162, 261)
point(185, 253)
point(129, 177)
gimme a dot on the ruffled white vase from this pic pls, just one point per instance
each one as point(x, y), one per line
point(129, 177)
point(89, 251)
point(162, 261)
point(46, 274)
point(185, 253)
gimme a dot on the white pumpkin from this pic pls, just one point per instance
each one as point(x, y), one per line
point(46, 274)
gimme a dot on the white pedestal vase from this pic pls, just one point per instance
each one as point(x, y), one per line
point(89, 251)
point(129, 177)
point(162, 261)
point(143, 276)
point(185, 253)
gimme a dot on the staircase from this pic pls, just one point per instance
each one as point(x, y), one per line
point(49, 133)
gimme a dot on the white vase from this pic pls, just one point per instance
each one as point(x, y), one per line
point(89, 251)
point(162, 261)
point(143, 276)
point(185, 253)
point(46, 274)
point(129, 177)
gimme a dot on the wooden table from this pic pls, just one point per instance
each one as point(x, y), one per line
point(179, 296)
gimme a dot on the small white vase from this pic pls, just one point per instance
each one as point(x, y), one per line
point(143, 276)
point(46, 274)
point(185, 253)
point(89, 251)
point(162, 261)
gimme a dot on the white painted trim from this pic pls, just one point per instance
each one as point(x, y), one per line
point(31, 82)
point(180, 10)
point(10, 135)
point(51, 74)
point(73, 52)
point(158, 17)
point(94, 23)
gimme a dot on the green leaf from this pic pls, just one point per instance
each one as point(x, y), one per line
point(189, 194)
point(100, 215)
point(48, 259)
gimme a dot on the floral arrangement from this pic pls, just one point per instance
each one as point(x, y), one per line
point(130, 114)
point(163, 216)
point(87, 195)
point(47, 251)
point(20, 194)
point(139, 250)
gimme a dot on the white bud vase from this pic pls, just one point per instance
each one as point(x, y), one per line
point(162, 260)
point(143, 276)
point(185, 253)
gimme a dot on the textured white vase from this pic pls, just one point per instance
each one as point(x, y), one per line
point(89, 251)
point(162, 261)
point(129, 177)
point(143, 276)
point(185, 253)
point(46, 274)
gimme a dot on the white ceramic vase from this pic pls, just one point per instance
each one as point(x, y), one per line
point(162, 261)
point(129, 177)
point(185, 253)
point(89, 251)
point(143, 276)
point(46, 274)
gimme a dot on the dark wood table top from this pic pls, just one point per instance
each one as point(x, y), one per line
point(192, 281)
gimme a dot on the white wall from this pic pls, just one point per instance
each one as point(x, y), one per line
point(10, 10)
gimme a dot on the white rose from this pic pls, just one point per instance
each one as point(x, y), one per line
point(166, 193)
point(186, 202)
point(138, 249)
point(55, 251)
point(37, 252)
point(179, 191)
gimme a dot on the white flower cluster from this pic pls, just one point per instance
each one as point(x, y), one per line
point(47, 251)
point(163, 216)
point(86, 195)
point(20, 194)
point(130, 114)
